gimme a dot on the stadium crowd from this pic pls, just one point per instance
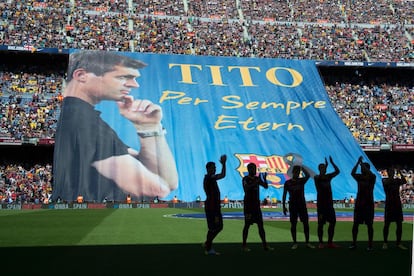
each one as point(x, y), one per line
point(322, 30)
point(376, 112)
point(34, 184)
point(25, 185)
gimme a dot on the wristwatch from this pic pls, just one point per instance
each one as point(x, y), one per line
point(160, 132)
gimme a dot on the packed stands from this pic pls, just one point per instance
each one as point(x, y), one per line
point(25, 185)
point(376, 111)
point(322, 30)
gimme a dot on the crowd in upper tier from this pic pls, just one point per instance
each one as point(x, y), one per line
point(376, 112)
point(321, 30)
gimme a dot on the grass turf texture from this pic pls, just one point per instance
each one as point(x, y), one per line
point(136, 241)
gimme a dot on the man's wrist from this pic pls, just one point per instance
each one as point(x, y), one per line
point(151, 131)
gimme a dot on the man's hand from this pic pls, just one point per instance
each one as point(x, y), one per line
point(223, 159)
point(284, 210)
point(142, 113)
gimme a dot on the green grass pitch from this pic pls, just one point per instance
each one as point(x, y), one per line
point(137, 241)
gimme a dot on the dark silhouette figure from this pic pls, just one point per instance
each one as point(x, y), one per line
point(393, 207)
point(324, 205)
point(252, 212)
point(364, 202)
point(297, 203)
point(212, 205)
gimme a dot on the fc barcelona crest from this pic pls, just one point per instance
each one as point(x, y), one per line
point(275, 166)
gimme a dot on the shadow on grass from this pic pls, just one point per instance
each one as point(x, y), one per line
point(189, 259)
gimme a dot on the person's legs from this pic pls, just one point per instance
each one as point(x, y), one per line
point(354, 235)
point(321, 223)
point(331, 231)
point(398, 231)
point(262, 235)
point(306, 230)
point(385, 232)
point(293, 224)
point(370, 234)
point(293, 230)
point(215, 226)
point(304, 218)
point(245, 233)
point(399, 235)
point(320, 233)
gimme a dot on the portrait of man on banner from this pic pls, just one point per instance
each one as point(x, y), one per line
point(89, 157)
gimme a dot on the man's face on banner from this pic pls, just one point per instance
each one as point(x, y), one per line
point(114, 85)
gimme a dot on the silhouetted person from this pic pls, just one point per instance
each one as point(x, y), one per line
point(324, 204)
point(212, 205)
point(297, 203)
point(251, 209)
point(393, 207)
point(364, 202)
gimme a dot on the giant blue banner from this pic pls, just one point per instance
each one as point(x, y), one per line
point(273, 112)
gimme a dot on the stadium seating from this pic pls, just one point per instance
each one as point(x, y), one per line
point(375, 112)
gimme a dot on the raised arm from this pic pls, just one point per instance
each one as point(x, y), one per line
point(223, 160)
point(354, 169)
point(306, 173)
point(403, 179)
point(337, 171)
point(263, 181)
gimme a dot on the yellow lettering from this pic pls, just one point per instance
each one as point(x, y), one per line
point(320, 104)
point(292, 126)
point(245, 74)
point(216, 75)
point(306, 104)
point(173, 95)
point(225, 122)
point(186, 76)
point(272, 78)
point(252, 105)
point(263, 126)
point(198, 101)
point(276, 125)
point(272, 104)
point(170, 95)
point(237, 104)
point(246, 124)
point(291, 105)
point(185, 100)
point(222, 120)
point(234, 102)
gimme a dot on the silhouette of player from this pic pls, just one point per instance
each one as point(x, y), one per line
point(324, 205)
point(252, 212)
point(393, 207)
point(364, 202)
point(212, 205)
point(297, 203)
